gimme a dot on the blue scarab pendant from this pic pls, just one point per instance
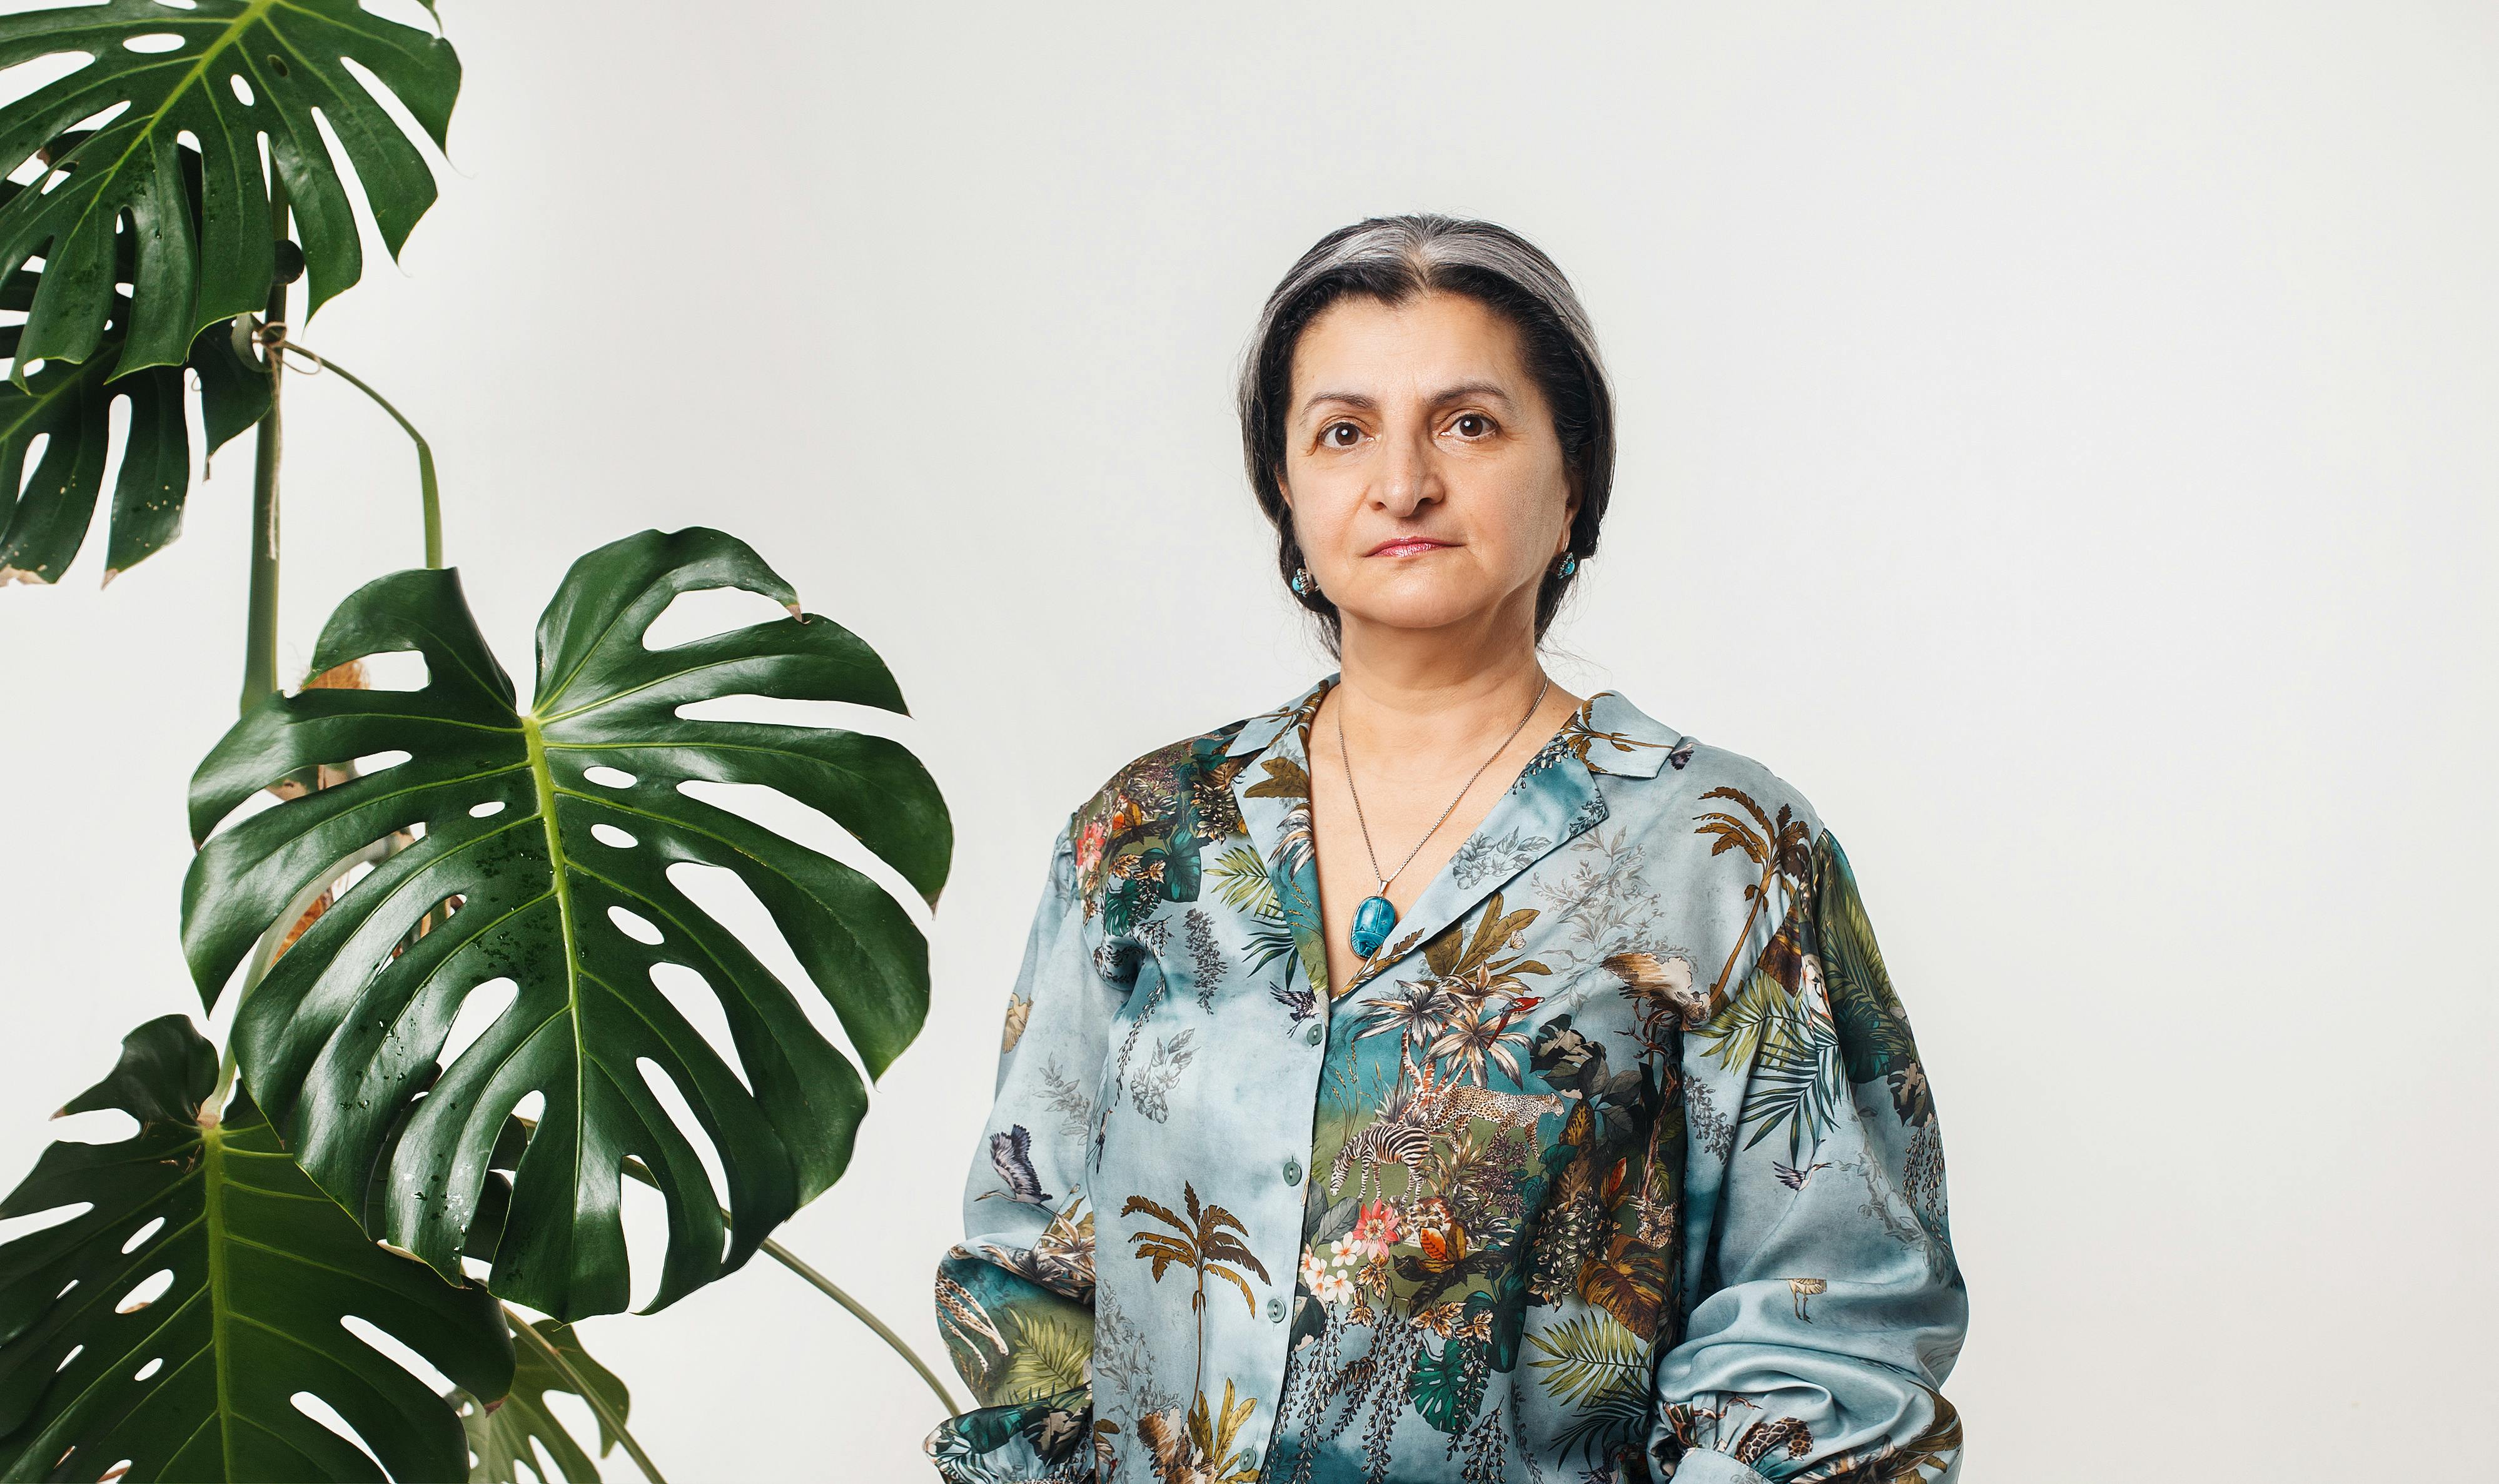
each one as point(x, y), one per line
point(1372, 920)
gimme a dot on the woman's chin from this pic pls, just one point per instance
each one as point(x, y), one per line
point(1417, 614)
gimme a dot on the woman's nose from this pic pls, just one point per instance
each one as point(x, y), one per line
point(1410, 473)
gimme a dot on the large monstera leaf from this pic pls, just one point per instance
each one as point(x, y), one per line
point(227, 72)
point(43, 521)
point(552, 831)
point(196, 1383)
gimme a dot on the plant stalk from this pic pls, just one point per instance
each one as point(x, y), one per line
point(833, 1291)
point(588, 1392)
point(260, 625)
point(429, 491)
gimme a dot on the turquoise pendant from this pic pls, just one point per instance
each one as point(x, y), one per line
point(1371, 923)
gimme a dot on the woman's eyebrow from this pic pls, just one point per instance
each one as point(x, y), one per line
point(1440, 398)
point(1466, 389)
point(1350, 399)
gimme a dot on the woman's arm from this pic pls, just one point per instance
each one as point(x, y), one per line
point(1015, 1300)
point(1831, 1308)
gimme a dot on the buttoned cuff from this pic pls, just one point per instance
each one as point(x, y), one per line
point(1708, 1466)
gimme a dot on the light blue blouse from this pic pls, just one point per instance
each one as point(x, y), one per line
point(1616, 1162)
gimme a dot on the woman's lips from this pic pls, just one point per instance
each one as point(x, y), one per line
point(1407, 548)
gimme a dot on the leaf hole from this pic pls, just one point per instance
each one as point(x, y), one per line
point(708, 611)
point(392, 669)
point(26, 76)
point(433, 919)
point(578, 1419)
point(532, 1106)
point(400, 1353)
point(118, 449)
point(692, 996)
point(479, 1009)
point(75, 1352)
point(149, 1370)
point(97, 120)
point(643, 1213)
point(359, 206)
point(609, 778)
point(102, 1125)
point(153, 42)
point(278, 65)
point(725, 896)
point(486, 810)
point(635, 925)
point(769, 808)
point(36, 449)
point(375, 762)
point(788, 711)
point(242, 90)
point(142, 1235)
point(324, 1413)
point(409, 127)
point(14, 1227)
point(146, 1291)
point(690, 1128)
point(609, 835)
point(682, 1114)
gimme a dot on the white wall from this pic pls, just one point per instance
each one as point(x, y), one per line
point(2059, 438)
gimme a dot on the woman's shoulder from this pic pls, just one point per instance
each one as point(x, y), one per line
point(1644, 765)
point(1178, 790)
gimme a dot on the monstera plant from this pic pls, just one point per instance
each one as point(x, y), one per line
point(454, 925)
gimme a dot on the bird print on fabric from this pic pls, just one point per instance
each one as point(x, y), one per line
point(1792, 1177)
point(1011, 1155)
point(1299, 1004)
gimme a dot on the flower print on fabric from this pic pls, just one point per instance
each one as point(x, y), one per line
point(1619, 1163)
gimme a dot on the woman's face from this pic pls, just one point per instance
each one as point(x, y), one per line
point(1427, 485)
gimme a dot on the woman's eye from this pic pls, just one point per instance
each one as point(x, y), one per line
point(1472, 424)
point(1341, 436)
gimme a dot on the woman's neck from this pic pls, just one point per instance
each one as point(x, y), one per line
point(1401, 696)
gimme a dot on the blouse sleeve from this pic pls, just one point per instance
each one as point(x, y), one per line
point(1015, 1298)
point(1830, 1307)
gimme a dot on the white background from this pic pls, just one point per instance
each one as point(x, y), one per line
point(2058, 439)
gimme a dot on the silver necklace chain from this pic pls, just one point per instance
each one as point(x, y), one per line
point(1346, 758)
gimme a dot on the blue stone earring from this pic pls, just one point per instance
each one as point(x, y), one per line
point(1302, 581)
point(1569, 564)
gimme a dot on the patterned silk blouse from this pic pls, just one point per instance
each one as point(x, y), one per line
point(1616, 1162)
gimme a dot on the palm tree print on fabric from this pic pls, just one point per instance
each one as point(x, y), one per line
point(1208, 1242)
point(1778, 844)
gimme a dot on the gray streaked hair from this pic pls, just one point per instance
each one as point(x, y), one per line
point(1394, 259)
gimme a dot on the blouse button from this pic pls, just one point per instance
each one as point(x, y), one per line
point(1276, 1309)
point(1248, 1458)
point(1292, 1172)
point(1315, 1034)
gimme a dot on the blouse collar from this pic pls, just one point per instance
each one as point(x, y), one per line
point(1554, 800)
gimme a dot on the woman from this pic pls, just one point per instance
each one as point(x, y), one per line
point(1442, 1076)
